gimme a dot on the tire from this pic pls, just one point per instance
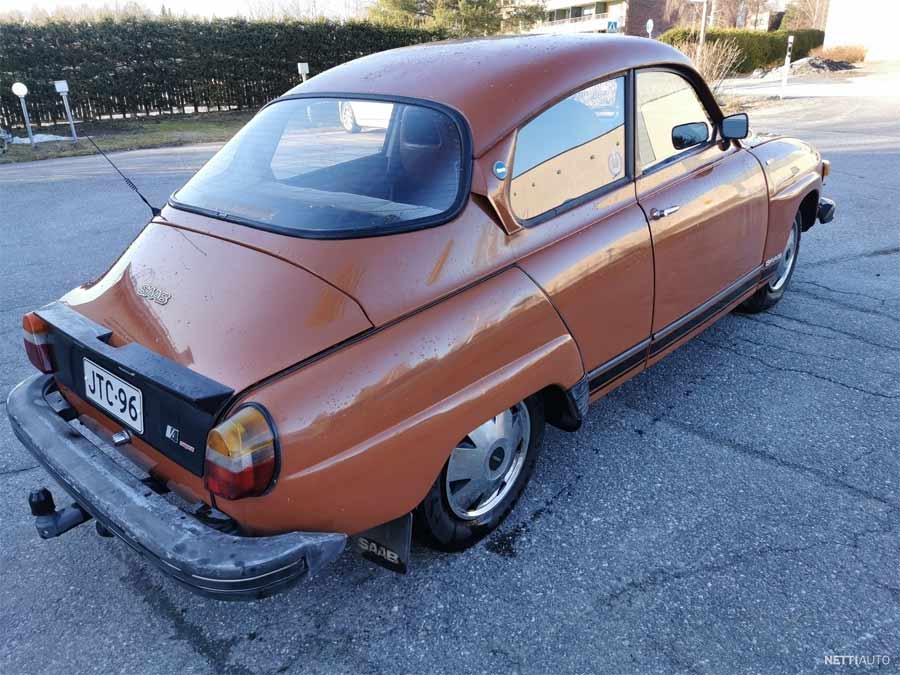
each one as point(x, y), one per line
point(454, 516)
point(772, 292)
point(348, 119)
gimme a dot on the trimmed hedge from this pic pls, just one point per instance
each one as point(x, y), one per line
point(759, 48)
point(162, 65)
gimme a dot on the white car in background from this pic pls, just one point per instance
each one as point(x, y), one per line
point(358, 114)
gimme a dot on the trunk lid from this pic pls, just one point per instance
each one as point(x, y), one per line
point(229, 312)
point(181, 322)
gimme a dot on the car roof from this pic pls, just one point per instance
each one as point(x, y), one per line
point(496, 83)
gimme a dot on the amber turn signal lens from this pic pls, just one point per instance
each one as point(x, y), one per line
point(826, 168)
point(36, 334)
point(241, 454)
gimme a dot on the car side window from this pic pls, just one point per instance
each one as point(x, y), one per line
point(571, 149)
point(666, 100)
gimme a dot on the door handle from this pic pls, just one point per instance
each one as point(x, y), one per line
point(656, 214)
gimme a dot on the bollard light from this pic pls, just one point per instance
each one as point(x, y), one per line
point(20, 90)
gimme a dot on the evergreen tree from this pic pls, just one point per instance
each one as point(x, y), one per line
point(460, 18)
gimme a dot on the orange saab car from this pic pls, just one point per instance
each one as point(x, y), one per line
point(331, 333)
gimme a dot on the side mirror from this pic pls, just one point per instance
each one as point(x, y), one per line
point(735, 127)
point(689, 135)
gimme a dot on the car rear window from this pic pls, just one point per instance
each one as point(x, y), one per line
point(326, 167)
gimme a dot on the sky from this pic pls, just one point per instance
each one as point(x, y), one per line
point(207, 8)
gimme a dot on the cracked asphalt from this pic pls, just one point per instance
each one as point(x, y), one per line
point(733, 510)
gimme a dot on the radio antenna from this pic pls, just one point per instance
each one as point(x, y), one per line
point(155, 211)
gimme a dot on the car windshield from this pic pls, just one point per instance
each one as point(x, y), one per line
point(326, 167)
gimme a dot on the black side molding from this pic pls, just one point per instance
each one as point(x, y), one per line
point(678, 329)
point(630, 359)
point(618, 366)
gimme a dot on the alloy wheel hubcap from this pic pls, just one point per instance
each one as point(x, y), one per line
point(786, 264)
point(484, 466)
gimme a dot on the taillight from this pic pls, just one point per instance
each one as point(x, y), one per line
point(241, 454)
point(37, 342)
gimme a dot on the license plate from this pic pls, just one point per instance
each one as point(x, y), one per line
point(112, 394)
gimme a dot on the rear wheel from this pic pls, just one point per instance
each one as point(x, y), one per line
point(772, 292)
point(348, 119)
point(483, 478)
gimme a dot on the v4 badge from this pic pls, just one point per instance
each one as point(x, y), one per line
point(388, 544)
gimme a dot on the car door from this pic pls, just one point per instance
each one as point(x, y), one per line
point(572, 189)
point(705, 201)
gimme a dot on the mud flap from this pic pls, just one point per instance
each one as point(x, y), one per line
point(388, 544)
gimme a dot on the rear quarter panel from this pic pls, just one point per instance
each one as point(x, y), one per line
point(365, 430)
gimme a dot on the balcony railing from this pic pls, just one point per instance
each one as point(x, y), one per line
point(577, 19)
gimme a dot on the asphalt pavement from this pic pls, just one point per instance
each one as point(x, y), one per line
point(733, 510)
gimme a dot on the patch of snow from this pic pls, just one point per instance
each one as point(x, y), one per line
point(39, 138)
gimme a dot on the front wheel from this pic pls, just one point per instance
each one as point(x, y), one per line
point(483, 478)
point(773, 291)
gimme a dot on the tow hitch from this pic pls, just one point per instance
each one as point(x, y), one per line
point(50, 522)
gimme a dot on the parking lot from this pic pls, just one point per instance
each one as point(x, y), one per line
point(734, 509)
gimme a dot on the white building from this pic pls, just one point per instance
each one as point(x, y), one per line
point(572, 16)
point(870, 23)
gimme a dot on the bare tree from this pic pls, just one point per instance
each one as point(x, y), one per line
point(728, 13)
point(806, 14)
point(723, 13)
point(304, 9)
point(680, 11)
point(757, 14)
point(79, 12)
point(717, 61)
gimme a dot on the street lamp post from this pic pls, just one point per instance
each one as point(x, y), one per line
point(702, 29)
point(702, 26)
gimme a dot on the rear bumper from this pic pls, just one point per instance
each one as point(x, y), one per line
point(206, 560)
point(825, 212)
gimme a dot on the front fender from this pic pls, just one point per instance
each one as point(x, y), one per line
point(365, 430)
point(793, 171)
